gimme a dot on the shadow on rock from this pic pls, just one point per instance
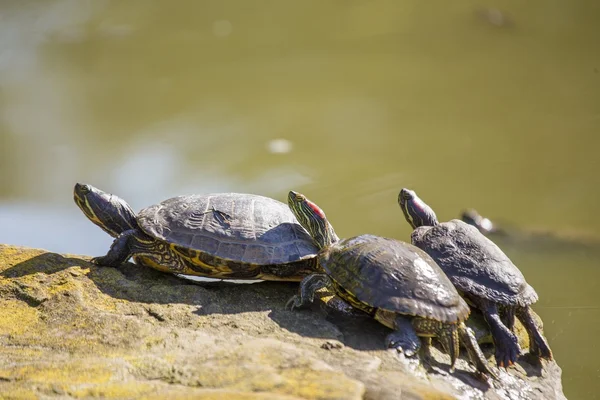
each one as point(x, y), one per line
point(135, 283)
point(327, 320)
point(531, 365)
point(46, 263)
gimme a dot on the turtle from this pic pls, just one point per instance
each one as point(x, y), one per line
point(482, 273)
point(537, 240)
point(483, 224)
point(220, 235)
point(394, 282)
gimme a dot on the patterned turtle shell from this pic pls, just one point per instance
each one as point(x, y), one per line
point(474, 263)
point(373, 272)
point(235, 231)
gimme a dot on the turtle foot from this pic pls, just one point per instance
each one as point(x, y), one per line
point(539, 347)
point(101, 261)
point(299, 302)
point(294, 302)
point(507, 351)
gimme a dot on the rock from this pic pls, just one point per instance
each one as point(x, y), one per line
point(70, 329)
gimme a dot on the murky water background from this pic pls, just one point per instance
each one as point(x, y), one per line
point(472, 104)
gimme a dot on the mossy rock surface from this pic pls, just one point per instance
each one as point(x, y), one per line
point(70, 329)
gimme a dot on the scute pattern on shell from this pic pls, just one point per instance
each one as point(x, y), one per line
point(474, 263)
point(231, 226)
point(395, 276)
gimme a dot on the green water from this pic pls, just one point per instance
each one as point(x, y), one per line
point(492, 106)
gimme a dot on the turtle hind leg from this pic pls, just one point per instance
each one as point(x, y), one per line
point(306, 293)
point(505, 342)
point(404, 337)
point(537, 343)
point(467, 338)
point(127, 244)
point(507, 315)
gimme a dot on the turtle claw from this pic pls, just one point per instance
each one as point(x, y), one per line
point(103, 262)
point(507, 350)
point(506, 359)
point(98, 261)
point(297, 301)
point(294, 302)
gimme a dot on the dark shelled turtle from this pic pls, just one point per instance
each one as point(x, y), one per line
point(395, 282)
point(482, 273)
point(531, 240)
point(225, 235)
point(483, 224)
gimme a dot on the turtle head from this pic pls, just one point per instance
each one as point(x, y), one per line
point(313, 219)
point(472, 217)
point(416, 211)
point(109, 212)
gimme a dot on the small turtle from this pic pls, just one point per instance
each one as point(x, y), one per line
point(225, 235)
point(482, 273)
point(506, 234)
point(483, 224)
point(395, 282)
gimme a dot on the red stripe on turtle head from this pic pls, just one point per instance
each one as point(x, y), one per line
point(315, 208)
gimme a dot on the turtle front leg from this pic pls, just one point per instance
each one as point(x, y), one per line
point(306, 293)
point(467, 338)
point(505, 342)
point(127, 244)
point(404, 337)
point(537, 343)
point(119, 252)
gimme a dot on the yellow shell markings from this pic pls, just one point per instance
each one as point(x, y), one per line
point(220, 269)
point(350, 298)
point(149, 262)
point(174, 253)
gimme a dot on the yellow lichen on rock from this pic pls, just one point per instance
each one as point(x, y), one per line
point(16, 317)
point(62, 373)
point(12, 255)
point(312, 384)
point(70, 329)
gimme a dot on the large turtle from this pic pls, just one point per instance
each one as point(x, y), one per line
point(227, 235)
point(395, 282)
point(482, 273)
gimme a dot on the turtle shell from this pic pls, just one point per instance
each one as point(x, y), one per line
point(474, 263)
point(391, 275)
point(242, 228)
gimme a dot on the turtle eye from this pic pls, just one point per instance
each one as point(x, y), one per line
point(406, 194)
point(82, 188)
point(300, 197)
